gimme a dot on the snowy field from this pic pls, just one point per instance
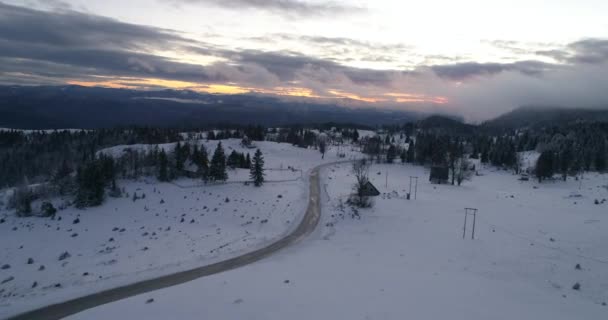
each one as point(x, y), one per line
point(177, 226)
point(407, 259)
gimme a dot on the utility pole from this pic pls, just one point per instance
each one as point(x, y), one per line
point(386, 182)
point(467, 212)
point(414, 179)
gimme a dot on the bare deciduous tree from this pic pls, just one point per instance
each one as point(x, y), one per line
point(463, 170)
point(361, 172)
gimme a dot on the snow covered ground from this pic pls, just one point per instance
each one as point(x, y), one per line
point(177, 226)
point(407, 259)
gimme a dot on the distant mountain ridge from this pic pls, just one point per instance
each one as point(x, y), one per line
point(49, 107)
point(446, 124)
point(542, 116)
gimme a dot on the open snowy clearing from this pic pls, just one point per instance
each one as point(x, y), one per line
point(408, 258)
point(177, 226)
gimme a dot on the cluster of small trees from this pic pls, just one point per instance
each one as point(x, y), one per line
point(92, 180)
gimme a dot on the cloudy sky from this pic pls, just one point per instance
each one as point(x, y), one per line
point(473, 57)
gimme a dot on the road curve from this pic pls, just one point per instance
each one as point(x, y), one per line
point(70, 307)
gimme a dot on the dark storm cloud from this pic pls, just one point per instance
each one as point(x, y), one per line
point(70, 43)
point(462, 71)
point(290, 7)
point(77, 29)
point(71, 40)
point(592, 51)
point(587, 51)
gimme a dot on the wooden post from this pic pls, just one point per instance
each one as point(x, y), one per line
point(464, 228)
point(467, 212)
point(474, 218)
point(409, 194)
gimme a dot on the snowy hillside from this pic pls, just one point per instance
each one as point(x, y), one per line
point(533, 244)
point(170, 227)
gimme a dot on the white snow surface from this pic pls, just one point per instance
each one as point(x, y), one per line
point(407, 259)
point(124, 241)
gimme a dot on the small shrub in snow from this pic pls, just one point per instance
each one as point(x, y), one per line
point(162, 201)
point(6, 266)
point(576, 286)
point(76, 221)
point(47, 209)
point(149, 300)
point(30, 261)
point(64, 256)
point(41, 268)
point(35, 284)
point(9, 279)
point(577, 267)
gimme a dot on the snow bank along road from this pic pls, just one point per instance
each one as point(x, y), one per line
point(307, 225)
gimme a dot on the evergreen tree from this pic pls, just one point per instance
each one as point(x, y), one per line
point(600, 160)
point(355, 135)
point(179, 156)
point(485, 158)
point(203, 163)
point(91, 184)
point(257, 169)
point(233, 159)
point(248, 162)
point(544, 165)
point(565, 162)
point(163, 162)
point(62, 179)
point(411, 152)
point(217, 170)
point(391, 154)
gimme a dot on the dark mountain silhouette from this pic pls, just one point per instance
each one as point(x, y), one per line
point(538, 116)
point(43, 107)
point(446, 124)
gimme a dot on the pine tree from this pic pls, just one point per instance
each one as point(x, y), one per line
point(162, 166)
point(391, 154)
point(411, 152)
point(91, 183)
point(257, 169)
point(565, 162)
point(178, 155)
point(203, 163)
point(544, 165)
point(355, 136)
point(217, 170)
point(233, 159)
point(248, 162)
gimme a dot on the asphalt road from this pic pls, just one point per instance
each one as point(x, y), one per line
point(70, 307)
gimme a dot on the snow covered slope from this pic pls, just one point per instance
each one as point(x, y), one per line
point(177, 226)
point(408, 260)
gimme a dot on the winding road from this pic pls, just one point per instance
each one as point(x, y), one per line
point(70, 307)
